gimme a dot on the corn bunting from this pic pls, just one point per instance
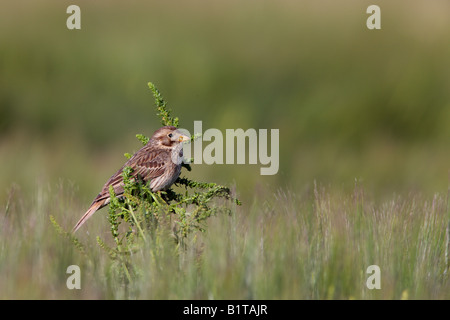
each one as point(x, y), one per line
point(159, 162)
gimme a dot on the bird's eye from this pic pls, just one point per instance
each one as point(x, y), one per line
point(170, 135)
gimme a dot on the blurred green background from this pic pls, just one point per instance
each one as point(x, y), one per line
point(350, 103)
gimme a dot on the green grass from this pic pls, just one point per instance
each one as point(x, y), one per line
point(315, 244)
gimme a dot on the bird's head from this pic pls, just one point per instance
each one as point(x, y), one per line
point(169, 136)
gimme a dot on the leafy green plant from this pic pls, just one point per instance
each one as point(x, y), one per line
point(141, 215)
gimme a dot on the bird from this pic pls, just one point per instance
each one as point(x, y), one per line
point(159, 162)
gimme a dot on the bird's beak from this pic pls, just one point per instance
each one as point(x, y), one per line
point(183, 138)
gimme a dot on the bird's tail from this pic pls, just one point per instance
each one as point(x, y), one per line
point(93, 208)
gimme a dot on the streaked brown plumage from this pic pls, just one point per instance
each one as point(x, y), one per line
point(158, 161)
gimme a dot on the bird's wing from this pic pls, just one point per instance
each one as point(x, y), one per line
point(149, 163)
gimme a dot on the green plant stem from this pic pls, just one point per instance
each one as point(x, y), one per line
point(137, 223)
